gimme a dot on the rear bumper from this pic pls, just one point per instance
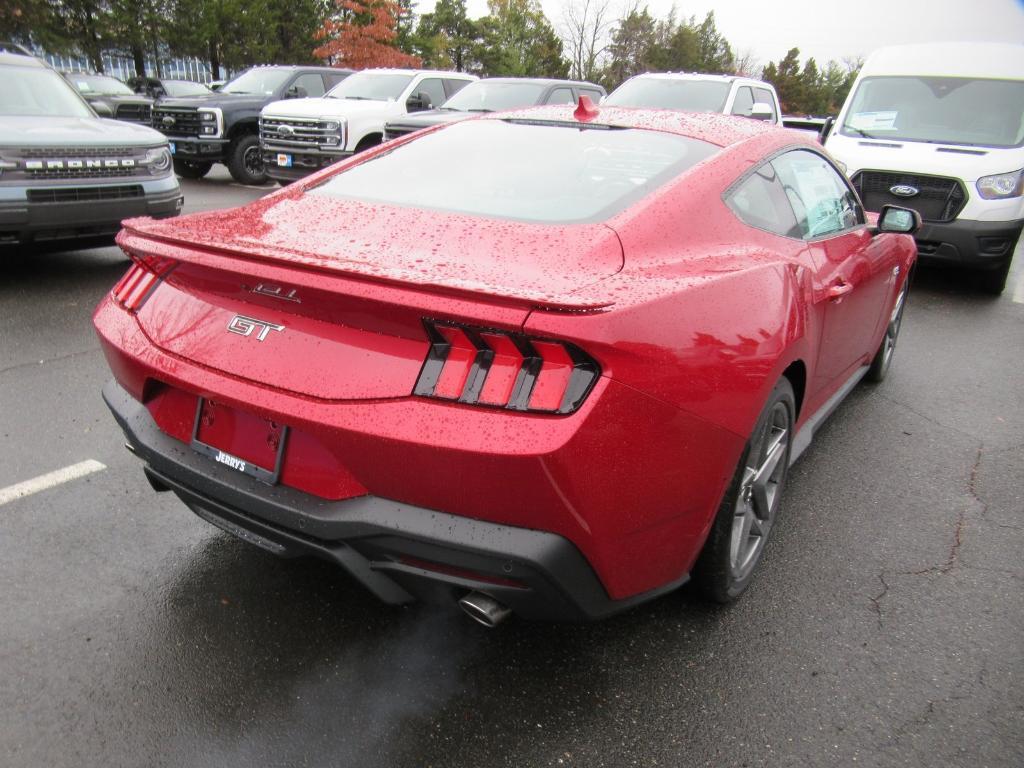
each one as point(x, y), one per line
point(975, 244)
point(303, 163)
point(23, 221)
point(395, 550)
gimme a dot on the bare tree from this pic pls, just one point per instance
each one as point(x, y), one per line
point(746, 64)
point(587, 27)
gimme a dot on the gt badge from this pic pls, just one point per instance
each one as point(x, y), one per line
point(244, 326)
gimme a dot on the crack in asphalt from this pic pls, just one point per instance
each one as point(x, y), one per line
point(59, 358)
point(953, 557)
point(929, 419)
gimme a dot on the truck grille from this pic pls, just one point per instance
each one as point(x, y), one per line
point(84, 194)
point(298, 133)
point(938, 198)
point(135, 113)
point(177, 121)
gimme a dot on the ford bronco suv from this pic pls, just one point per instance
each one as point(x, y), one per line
point(223, 127)
point(66, 173)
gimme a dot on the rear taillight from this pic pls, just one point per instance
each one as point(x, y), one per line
point(504, 370)
point(140, 280)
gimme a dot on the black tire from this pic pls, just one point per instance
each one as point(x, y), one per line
point(190, 170)
point(245, 161)
point(723, 571)
point(366, 142)
point(993, 282)
point(882, 361)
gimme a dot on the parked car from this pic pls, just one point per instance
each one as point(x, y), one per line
point(109, 97)
point(223, 127)
point(699, 93)
point(492, 95)
point(66, 173)
point(938, 128)
point(159, 88)
point(552, 367)
point(299, 137)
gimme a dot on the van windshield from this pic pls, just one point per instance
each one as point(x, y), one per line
point(941, 110)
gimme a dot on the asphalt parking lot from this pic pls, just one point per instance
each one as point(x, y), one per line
point(885, 628)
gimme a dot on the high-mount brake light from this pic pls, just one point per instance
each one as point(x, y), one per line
point(140, 280)
point(504, 370)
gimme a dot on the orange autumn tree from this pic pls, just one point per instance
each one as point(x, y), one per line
point(362, 34)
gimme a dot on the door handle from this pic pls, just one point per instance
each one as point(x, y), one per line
point(837, 290)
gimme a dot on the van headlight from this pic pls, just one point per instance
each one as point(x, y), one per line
point(1001, 185)
point(159, 160)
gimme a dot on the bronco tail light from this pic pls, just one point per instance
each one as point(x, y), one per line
point(138, 283)
point(504, 370)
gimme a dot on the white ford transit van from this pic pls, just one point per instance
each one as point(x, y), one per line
point(940, 128)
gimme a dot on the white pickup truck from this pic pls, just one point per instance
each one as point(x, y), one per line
point(692, 92)
point(299, 136)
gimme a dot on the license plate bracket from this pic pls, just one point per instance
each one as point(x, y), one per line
point(220, 430)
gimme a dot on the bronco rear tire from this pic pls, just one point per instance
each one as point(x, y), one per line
point(245, 161)
point(751, 503)
point(190, 170)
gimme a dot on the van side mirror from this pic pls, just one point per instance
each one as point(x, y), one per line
point(901, 221)
point(826, 129)
point(762, 111)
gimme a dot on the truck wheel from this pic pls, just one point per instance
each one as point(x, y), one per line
point(245, 161)
point(189, 170)
point(994, 281)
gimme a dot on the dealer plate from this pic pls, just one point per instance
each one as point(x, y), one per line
point(284, 161)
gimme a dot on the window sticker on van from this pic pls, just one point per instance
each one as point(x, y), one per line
point(873, 121)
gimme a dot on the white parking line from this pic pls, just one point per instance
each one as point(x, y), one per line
point(49, 480)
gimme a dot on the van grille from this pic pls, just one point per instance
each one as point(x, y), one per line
point(938, 198)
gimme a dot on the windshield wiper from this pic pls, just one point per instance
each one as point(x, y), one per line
point(358, 98)
point(861, 132)
point(479, 110)
point(239, 92)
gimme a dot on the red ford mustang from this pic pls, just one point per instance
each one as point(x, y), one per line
point(553, 362)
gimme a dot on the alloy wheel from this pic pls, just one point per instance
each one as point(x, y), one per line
point(892, 331)
point(759, 492)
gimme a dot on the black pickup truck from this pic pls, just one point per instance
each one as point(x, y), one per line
point(223, 127)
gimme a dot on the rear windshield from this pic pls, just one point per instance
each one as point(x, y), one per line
point(483, 96)
point(943, 110)
point(530, 171)
point(661, 93)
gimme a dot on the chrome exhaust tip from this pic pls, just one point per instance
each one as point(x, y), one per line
point(484, 609)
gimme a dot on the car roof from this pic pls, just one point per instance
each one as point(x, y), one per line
point(13, 59)
point(688, 76)
point(711, 127)
point(538, 81)
point(438, 72)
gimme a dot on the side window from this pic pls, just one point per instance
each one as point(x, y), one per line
point(453, 86)
point(760, 201)
point(764, 96)
point(561, 96)
point(594, 94)
point(434, 88)
point(311, 82)
point(333, 80)
point(744, 101)
point(821, 198)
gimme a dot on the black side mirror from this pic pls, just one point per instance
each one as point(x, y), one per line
point(901, 221)
point(418, 102)
point(295, 92)
point(826, 129)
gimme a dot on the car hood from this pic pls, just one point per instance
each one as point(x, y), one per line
point(433, 117)
point(967, 163)
point(538, 264)
point(320, 107)
point(216, 99)
point(25, 131)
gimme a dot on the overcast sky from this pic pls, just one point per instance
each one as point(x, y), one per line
point(827, 29)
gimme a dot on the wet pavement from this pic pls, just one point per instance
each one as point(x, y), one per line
point(885, 628)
